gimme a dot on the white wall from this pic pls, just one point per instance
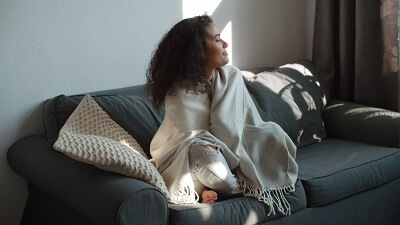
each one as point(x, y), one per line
point(265, 32)
point(51, 47)
point(310, 26)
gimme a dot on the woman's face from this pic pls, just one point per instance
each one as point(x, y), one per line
point(215, 52)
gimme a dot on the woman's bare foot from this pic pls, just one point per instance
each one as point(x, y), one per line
point(209, 196)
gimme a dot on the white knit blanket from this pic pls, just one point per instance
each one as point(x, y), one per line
point(260, 153)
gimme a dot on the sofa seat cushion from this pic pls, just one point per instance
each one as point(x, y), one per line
point(236, 210)
point(336, 168)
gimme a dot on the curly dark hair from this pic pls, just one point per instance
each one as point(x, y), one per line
point(178, 59)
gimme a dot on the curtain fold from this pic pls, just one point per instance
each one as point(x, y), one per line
point(355, 49)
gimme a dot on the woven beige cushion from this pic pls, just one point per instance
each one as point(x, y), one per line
point(91, 136)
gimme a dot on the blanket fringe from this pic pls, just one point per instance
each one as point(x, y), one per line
point(272, 197)
point(185, 195)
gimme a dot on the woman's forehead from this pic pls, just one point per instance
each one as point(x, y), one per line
point(212, 30)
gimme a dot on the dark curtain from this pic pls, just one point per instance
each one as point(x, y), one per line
point(355, 49)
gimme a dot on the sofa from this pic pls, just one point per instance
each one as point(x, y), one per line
point(348, 157)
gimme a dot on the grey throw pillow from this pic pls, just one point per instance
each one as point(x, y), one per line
point(292, 96)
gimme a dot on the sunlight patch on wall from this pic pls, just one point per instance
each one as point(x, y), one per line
point(192, 8)
point(226, 35)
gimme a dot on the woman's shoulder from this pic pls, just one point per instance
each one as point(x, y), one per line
point(182, 93)
point(228, 69)
point(230, 72)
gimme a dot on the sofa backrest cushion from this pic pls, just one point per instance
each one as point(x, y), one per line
point(293, 96)
point(134, 113)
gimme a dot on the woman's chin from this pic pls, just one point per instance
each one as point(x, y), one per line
point(226, 61)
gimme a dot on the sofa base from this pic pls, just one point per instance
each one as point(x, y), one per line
point(376, 206)
point(42, 209)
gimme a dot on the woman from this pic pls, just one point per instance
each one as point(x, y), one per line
point(211, 126)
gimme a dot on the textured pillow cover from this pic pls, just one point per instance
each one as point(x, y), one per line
point(293, 96)
point(134, 113)
point(91, 136)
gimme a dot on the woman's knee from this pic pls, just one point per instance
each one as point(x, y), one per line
point(200, 156)
point(203, 152)
point(211, 168)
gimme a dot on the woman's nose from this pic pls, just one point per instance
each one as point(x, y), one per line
point(225, 45)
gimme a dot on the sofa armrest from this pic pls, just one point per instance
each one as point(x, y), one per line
point(362, 123)
point(104, 197)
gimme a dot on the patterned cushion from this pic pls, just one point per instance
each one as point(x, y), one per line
point(92, 137)
point(292, 96)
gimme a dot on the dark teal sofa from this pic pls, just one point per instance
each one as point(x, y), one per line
point(349, 171)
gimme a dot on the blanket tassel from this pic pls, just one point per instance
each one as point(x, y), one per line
point(185, 195)
point(273, 197)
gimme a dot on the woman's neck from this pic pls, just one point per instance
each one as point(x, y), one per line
point(210, 74)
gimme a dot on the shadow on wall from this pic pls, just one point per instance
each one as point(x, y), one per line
point(258, 33)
